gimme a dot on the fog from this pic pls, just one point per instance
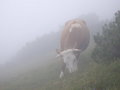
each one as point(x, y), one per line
point(23, 21)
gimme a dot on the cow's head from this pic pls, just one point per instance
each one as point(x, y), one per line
point(70, 59)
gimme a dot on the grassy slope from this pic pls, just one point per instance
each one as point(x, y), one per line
point(99, 76)
point(90, 75)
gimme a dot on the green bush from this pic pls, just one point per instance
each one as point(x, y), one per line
point(108, 42)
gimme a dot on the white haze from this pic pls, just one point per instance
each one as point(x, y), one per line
point(22, 21)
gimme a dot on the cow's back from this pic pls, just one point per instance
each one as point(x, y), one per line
point(75, 37)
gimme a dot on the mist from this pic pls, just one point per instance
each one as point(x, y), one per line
point(22, 21)
point(30, 33)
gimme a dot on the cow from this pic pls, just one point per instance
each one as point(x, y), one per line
point(75, 38)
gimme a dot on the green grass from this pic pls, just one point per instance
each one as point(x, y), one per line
point(98, 76)
point(90, 76)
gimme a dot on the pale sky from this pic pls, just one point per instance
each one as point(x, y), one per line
point(23, 21)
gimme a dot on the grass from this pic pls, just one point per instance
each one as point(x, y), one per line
point(90, 76)
point(96, 77)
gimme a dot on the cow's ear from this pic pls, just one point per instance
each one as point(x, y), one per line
point(58, 51)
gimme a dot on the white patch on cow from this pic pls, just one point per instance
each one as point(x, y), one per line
point(61, 74)
point(76, 25)
point(70, 60)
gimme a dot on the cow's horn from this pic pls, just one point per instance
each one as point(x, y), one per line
point(58, 55)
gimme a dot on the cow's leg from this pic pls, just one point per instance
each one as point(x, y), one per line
point(62, 70)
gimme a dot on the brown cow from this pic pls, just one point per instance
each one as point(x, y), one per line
point(74, 39)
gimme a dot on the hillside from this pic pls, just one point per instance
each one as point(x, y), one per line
point(35, 67)
point(90, 76)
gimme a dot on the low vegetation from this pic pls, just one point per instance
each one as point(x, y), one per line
point(91, 76)
point(108, 42)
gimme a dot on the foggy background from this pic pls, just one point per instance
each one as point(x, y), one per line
point(22, 21)
point(30, 33)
